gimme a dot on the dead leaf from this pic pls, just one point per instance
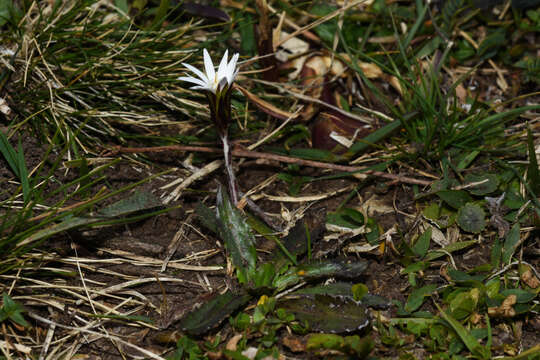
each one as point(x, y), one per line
point(250, 352)
point(266, 106)
point(461, 93)
point(370, 70)
point(290, 48)
point(530, 279)
point(4, 107)
point(233, 342)
point(505, 310)
point(294, 343)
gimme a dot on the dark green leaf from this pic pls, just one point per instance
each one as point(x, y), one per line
point(416, 297)
point(212, 313)
point(374, 137)
point(12, 310)
point(318, 270)
point(421, 246)
point(511, 242)
point(334, 314)
point(236, 233)
point(489, 185)
point(522, 296)
point(454, 198)
point(471, 218)
point(468, 339)
point(140, 200)
point(207, 217)
point(346, 217)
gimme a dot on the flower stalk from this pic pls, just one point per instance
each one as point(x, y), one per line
point(218, 87)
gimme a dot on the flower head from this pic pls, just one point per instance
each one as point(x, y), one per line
point(212, 81)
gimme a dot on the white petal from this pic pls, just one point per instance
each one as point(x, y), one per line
point(193, 80)
point(231, 68)
point(209, 67)
point(222, 83)
point(196, 71)
point(202, 87)
point(222, 70)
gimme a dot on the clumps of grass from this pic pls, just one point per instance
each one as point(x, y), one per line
point(88, 72)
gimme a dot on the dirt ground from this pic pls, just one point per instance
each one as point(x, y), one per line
point(86, 264)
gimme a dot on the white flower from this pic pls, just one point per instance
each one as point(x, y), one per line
point(213, 81)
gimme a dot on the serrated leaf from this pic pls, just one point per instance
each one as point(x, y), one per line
point(471, 218)
point(324, 269)
point(212, 313)
point(334, 314)
point(511, 242)
point(236, 233)
point(454, 198)
point(489, 185)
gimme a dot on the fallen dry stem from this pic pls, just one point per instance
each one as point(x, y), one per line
point(275, 157)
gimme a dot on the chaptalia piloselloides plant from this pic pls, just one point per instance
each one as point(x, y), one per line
point(218, 87)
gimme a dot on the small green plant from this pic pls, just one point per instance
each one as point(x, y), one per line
point(12, 311)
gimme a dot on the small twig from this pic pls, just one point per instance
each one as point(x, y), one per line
point(275, 157)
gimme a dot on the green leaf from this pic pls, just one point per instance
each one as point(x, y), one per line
point(346, 217)
point(496, 252)
point(373, 138)
point(234, 230)
point(212, 313)
point(454, 198)
point(245, 27)
point(140, 200)
point(468, 339)
point(352, 345)
point(460, 245)
point(432, 211)
point(13, 311)
point(137, 202)
point(416, 297)
point(421, 246)
point(336, 314)
point(359, 291)
point(522, 296)
point(318, 270)
point(187, 349)
point(464, 303)
point(122, 5)
point(471, 218)
point(492, 42)
point(489, 185)
point(511, 242)
point(207, 217)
